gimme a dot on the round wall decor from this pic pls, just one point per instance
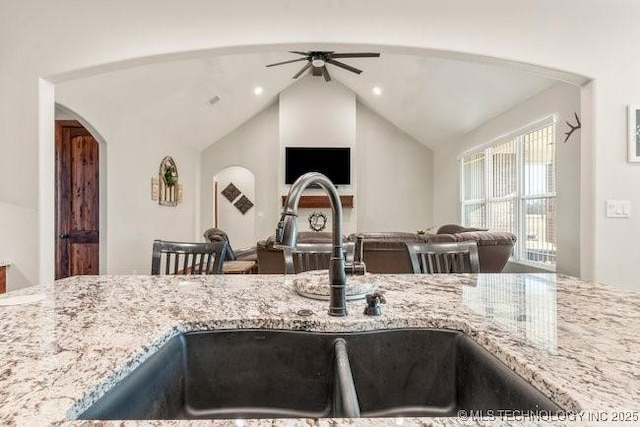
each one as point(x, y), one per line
point(317, 221)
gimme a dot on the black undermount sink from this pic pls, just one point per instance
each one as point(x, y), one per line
point(288, 374)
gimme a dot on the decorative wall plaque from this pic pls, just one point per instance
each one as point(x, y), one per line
point(231, 192)
point(317, 221)
point(167, 182)
point(243, 204)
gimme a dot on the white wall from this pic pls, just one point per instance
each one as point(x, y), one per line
point(395, 177)
point(240, 228)
point(134, 152)
point(316, 113)
point(561, 100)
point(19, 244)
point(392, 188)
point(254, 146)
point(590, 38)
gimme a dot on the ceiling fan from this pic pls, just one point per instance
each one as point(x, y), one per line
point(318, 60)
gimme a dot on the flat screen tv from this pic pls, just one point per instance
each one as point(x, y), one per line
point(334, 162)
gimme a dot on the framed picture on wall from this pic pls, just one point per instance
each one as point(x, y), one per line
point(634, 133)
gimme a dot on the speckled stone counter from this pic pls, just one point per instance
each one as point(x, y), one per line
point(578, 342)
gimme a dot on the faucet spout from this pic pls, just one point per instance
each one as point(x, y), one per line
point(286, 235)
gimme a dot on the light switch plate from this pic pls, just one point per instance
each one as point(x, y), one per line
point(618, 208)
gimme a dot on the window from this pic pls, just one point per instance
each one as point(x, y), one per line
point(510, 185)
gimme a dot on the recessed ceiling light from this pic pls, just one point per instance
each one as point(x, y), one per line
point(377, 90)
point(258, 90)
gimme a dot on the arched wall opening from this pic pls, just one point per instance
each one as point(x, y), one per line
point(63, 113)
point(234, 200)
point(548, 72)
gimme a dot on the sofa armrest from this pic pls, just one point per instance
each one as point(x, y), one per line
point(494, 248)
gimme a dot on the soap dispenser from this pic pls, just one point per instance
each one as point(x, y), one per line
point(373, 304)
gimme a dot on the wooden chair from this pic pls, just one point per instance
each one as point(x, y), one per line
point(314, 256)
point(453, 257)
point(188, 258)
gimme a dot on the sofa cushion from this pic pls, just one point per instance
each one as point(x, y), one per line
point(386, 256)
point(438, 238)
point(487, 238)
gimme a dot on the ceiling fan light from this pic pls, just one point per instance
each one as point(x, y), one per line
point(317, 62)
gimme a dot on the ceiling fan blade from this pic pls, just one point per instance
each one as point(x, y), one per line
point(325, 73)
point(287, 62)
point(356, 55)
point(345, 66)
point(316, 71)
point(300, 53)
point(305, 68)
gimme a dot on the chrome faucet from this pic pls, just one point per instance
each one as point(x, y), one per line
point(287, 235)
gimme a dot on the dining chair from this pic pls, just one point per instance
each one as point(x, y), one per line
point(187, 257)
point(444, 257)
point(314, 256)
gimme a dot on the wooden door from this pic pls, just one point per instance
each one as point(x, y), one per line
point(77, 200)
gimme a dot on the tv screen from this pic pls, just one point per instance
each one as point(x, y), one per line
point(334, 162)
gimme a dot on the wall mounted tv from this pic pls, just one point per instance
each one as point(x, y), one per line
point(334, 162)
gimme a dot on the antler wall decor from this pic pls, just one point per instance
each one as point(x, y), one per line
point(572, 128)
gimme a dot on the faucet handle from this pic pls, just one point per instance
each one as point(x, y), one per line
point(373, 304)
point(355, 268)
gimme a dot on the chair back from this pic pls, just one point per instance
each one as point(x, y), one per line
point(449, 257)
point(187, 258)
point(314, 256)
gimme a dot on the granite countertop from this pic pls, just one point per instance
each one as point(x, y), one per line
point(68, 342)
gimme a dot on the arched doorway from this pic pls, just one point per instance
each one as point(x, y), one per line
point(80, 208)
point(233, 210)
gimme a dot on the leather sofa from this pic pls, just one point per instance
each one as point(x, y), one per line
point(386, 252)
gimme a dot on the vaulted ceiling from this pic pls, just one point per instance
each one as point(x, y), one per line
point(434, 100)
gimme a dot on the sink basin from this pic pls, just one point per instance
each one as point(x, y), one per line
point(289, 374)
point(425, 373)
